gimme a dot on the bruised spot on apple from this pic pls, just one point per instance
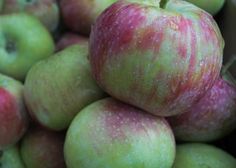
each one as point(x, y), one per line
point(155, 56)
point(118, 135)
point(13, 117)
point(41, 148)
point(23, 42)
point(47, 11)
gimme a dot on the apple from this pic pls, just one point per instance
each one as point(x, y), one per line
point(79, 15)
point(213, 117)
point(41, 148)
point(11, 158)
point(13, 115)
point(161, 56)
point(57, 88)
point(197, 155)
point(23, 42)
point(109, 133)
point(69, 39)
point(47, 11)
point(211, 6)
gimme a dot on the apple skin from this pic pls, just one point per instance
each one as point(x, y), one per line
point(79, 15)
point(154, 58)
point(47, 11)
point(213, 117)
point(211, 6)
point(65, 87)
point(41, 148)
point(23, 42)
point(118, 135)
point(13, 115)
point(11, 158)
point(69, 39)
point(199, 155)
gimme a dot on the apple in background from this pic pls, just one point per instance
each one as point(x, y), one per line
point(23, 42)
point(153, 54)
point(11, 158)
point(42, 148)
point(57, 88)
point(118, 136)
point(197, 155)
point(13, 115)
point(79, 15)
point(213, 117)
point(1, 3)
point(47, 11)
point(211, 6)
point(69, 39)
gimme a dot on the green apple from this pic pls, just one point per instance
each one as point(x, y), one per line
point(112, 134)
point(13, 114)
point(41, 148)
point(211, 6)
point(47, 11)
point(197, 155)
point(11, 158)
point(23, 42)
point(57, 88)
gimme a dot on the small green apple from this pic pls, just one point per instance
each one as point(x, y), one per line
point(197, 155)
point(211, 6)
point(57, 88)
point(23, 42)
point(11, 158)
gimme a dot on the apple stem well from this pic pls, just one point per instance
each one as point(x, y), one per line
point(163, 3)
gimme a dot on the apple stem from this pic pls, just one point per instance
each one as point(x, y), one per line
point(228, 64)
point(163, 3)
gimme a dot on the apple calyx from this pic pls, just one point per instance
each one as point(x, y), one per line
point(10, 46)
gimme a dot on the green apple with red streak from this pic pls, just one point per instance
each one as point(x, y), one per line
point(11, 158)
point(211, 6)
point(109, 133)
point(47, 11)
point(79, 15)
point(69, 39)
point(23, 42)
point(199, 155)
point(65, 87)
point(42, 148)
point(213, 117)
point(161, 56)
point(13, 115)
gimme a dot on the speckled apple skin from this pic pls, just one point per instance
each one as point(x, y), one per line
point(47, 11)
point(57, 88)
point(13, 115)
point(80, 15)
point(69, 39)
point(160, 60)
point(213, 117)
point(111, 134)
point(41, 148)
point(199, 155)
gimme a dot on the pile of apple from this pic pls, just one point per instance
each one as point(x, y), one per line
point(115, 84)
